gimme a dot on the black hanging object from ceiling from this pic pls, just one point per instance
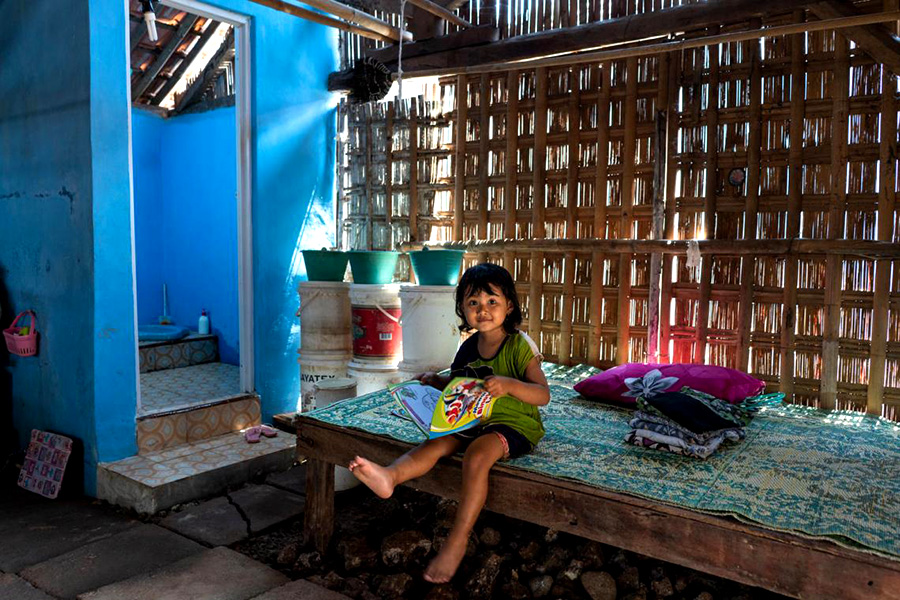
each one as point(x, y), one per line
point(367, 81)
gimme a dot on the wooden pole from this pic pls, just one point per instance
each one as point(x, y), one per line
point(538, 169)
point(673, 121)
point(626, 218)
point(341, 10)
point(657, 228)
point(795, 201)
point(462, 117)
point(837, 204)
point(440, 11)
point(389, 167)
point(887, 202)
point(511, 166)
point(751, 207)
point(644, 50)
point(414, 170)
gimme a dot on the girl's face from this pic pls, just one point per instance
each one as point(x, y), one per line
point(485, 312)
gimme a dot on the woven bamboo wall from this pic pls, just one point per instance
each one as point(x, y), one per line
point(811, 123)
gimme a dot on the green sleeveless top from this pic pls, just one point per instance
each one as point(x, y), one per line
point(511, 360)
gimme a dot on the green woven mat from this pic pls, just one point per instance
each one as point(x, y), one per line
point(832, 475)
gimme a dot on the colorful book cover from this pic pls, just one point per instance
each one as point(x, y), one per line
point(463, 404)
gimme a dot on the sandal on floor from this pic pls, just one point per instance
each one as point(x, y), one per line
point(268, 430)
point(252, 435)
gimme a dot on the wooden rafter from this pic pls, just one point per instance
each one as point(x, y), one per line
point(613, 31)
point(175, 77)
point(874, 39)
point(465, 38)
point(210, 72)
point(440, 11)
point(350, 14)
point(315, 17)
point(186, 26)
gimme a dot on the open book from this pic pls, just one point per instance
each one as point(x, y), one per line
point(463, 404)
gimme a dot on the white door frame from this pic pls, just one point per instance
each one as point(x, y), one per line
point(241, 25)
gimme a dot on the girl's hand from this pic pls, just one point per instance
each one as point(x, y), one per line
point(431, 378)
point(498, 385)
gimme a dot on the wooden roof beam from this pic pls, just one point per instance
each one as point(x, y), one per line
point(601, 33)
point(225, 52)
point(440, 11)
point(345, 12)
point(184, 28)
point(321, 19)
point(175, 77)
point(875, 40)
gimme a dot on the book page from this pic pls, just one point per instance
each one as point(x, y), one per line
point(418, 400)
point(463, 404)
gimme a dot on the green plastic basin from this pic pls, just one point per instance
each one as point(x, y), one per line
point(373, 267)
point(436, 267)
point(325, 265)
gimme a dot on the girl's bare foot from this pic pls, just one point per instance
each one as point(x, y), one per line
point(376, 477)
point(444, 565)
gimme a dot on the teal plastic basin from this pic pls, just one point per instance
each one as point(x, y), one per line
point(325, 265)
point(373, 267)
point(436, 267)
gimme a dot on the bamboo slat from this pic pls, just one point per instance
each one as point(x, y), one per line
point(462, 125)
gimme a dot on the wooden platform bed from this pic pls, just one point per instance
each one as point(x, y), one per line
point(784, 563)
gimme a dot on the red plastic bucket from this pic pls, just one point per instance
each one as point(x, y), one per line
point(375, 315)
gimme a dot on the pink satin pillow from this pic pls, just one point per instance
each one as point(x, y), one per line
point(623, 384)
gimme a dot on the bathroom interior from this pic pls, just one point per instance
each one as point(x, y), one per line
point(186, 234)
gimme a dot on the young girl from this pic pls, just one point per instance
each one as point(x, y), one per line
point(509, 362)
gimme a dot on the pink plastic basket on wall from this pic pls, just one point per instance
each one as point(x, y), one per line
point(23, 345)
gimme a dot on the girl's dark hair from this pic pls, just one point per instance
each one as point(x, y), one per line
point(488, 277)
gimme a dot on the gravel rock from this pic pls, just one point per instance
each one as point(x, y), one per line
point(331, 580)
point(288, 554)
point(481, 582)
point(599, 585)
point(354, 587)
point(403, 548)
point(629, 580)
point(530, 551)
point(308, 562)
point(515, 589)
point(490, 537)
point(573, 571)
point(704, 596)
point(444, 591)
point(591, 554)
point(551, 536)
point(554, 561)
point(357, 553)
point(540, 586)
point(662, 588)
point(641, 594)
point(395, 585)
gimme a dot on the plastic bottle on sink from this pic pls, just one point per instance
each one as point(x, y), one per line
point(203, 323)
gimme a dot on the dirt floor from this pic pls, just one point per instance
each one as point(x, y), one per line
point(381, 547)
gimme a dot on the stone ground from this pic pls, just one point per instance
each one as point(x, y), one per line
point(248, 544)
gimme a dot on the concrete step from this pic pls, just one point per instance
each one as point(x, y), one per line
point(155, 481)
point(195, 421)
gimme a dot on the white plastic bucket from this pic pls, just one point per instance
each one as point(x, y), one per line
point(325, 317)
point(371, 377)
point(375, 314)
point(430, 331)
point(325, 392)
point(316, 367)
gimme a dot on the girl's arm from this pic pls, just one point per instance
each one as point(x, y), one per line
point(434, 380)
point(534, 390)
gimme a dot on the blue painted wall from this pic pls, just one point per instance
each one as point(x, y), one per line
point(185, 205)
point(65, 236)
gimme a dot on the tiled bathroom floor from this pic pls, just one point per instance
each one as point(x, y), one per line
point(186, 387)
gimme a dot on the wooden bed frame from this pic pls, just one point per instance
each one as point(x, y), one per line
point(784, 563)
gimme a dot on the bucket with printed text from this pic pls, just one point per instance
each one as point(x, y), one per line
point(375, 315)
point(328, 391)
point(316, 367)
